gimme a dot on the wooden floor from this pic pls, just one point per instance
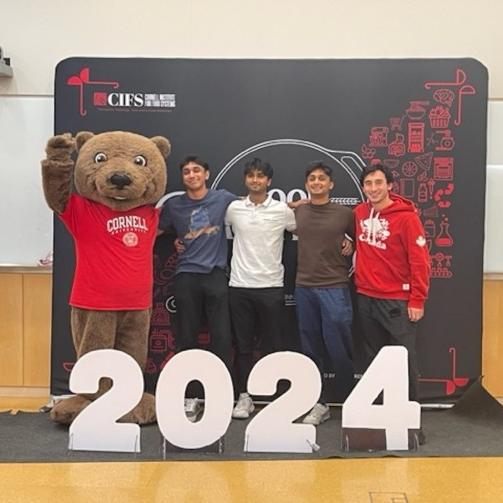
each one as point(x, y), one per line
point(385, 480)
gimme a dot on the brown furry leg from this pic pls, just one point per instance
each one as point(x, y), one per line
point(132, 338)
point(143, 413)
point(65, 411)
point(93, 330)
point(132, 334)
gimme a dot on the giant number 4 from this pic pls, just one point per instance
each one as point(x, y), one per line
point(388, 373)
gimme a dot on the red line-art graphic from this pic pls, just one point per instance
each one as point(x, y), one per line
point(444, 238)
point(391, 164)
point(151, 367)
point(416, 110)
point(416, 137)
point(68, 366)
point(397, 147)
point(424, 160)
point(442, 140)
point(396, 123)
point(443, 168)
point(439, 117)
point(378, 136)
point(460, 80)
point(82, 79)
point(409, 168)
point(440, 265)
point(441, 193)
point(367, 152)
point(454, 382)
point(444, 97)
point(408, 187)
point(462, 90)
point(422, 193)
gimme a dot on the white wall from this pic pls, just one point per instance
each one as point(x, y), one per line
point(36, 35)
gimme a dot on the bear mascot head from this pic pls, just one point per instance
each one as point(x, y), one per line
point(118, 177)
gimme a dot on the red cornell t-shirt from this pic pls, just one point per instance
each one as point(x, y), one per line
point(114, 255)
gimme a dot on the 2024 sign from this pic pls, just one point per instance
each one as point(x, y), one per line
point(272, 429)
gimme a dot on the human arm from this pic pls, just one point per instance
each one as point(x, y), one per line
point(419, 266)
point(299, 202)
point(290, 223)
point(349, 236)
point(165, 220)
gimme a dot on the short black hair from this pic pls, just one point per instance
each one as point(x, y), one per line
point(368, 170)
point(313, 166)
point(196, 160)
point(259, 165)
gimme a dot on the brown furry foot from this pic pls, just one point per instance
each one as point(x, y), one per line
point(143, 413)
point(65, 411)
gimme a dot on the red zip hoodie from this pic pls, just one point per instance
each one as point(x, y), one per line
point(392, 260)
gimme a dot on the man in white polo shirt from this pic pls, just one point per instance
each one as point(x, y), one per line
point(256, 293)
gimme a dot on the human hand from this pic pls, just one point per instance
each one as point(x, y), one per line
point(347, 247)
point(415, 313)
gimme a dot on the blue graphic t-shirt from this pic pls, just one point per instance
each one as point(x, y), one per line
point(199, 223)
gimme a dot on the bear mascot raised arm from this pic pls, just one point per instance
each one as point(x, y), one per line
point(118, 177)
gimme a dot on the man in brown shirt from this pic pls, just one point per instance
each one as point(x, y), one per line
point(322, 295)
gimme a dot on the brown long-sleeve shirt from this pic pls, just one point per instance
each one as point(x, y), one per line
point(321, 229)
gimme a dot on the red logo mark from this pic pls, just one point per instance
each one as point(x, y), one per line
point(130, 239)
point(100, 99)
point(83, 79)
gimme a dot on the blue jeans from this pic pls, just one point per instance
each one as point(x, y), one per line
point(324, 316)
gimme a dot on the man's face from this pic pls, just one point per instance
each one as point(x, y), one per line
point(194, 176)
point(256, 182)
point(376, 188)
point(318, 183)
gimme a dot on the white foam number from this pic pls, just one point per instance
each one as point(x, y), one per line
point(184, 367)
point(388, 373)
point(95, 428)
point(272, 429)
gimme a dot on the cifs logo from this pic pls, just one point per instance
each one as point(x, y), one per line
point(114, 99)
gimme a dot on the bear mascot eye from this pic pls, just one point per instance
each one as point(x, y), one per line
point(140, 160)
point(100, 157)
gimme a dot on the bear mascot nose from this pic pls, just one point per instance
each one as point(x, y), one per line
point(120, 180)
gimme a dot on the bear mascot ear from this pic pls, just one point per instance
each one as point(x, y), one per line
point(81, 138)
point(162, 144)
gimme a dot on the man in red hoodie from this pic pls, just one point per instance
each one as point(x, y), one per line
point(392, 269)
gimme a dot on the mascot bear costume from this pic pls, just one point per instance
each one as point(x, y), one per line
point(118, 177)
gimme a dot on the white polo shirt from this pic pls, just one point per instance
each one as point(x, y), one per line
point(258, 242)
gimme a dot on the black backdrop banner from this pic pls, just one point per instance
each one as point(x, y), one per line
point(425, 119)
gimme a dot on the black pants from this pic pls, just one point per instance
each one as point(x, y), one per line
point(385, 322)
point(203, 294)
point(256, 313)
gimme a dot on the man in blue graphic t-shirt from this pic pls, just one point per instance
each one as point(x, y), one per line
point(197, 218)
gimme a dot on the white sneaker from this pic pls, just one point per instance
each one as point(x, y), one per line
point(192, 409)
point(319, 414)
point(244, 407)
